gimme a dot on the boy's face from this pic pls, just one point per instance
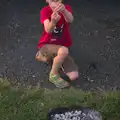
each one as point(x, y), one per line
point(54, 3)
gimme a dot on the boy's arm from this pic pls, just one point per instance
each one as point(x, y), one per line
point(49, 26)
point(66, 11)
point(68, 16)
point(44, 19)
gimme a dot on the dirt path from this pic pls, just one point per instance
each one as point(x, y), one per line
point(96, 41)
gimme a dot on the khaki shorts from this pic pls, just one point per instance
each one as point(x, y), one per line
point(47, 52)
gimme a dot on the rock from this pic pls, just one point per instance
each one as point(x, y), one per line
point(2, 54)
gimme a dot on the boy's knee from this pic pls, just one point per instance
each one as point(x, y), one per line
point(41, 59)
point(73, 75)
point(63, 51)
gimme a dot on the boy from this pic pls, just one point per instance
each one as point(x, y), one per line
point(55, 40)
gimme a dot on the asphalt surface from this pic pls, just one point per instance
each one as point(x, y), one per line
point(96, 41)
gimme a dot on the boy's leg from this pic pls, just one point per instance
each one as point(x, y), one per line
point(70, 68)
point(46, 53)
point(50, 51)
point(58, 54)
point(59, 59)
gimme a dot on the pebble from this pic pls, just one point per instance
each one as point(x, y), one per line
point(21, 57)
point(108, 37)
point(33, 76)
point(1, 54)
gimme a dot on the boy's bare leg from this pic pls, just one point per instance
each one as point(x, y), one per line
point(57, 63)
point(70, 68)
point(58, 54)
point(49, 52)
point(59, 59)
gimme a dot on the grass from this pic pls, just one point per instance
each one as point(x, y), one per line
point(33, 104)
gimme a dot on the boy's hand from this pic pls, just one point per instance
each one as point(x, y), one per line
point(55, 17)
point(60, 8)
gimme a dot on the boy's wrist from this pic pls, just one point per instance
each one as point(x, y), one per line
point(53, 23)
point(64, 12)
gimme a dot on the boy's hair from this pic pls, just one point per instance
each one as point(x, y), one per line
point(54, 0)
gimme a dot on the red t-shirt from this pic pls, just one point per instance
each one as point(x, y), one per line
point(60, 35)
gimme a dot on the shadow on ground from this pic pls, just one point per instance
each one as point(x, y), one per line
point(96, 41)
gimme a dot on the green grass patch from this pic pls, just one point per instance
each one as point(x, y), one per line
point(33, 104)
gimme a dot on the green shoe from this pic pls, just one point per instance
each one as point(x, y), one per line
point(58, 81)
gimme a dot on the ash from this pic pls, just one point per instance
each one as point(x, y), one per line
point(77, 115)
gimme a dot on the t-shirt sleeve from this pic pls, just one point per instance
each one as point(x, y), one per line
point(44, 14)
point(68, 8)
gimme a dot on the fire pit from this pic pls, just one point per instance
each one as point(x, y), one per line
point(74, 113)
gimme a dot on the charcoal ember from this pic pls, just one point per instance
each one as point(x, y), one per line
point(77, 115)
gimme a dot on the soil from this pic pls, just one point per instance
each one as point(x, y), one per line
point(96, 40)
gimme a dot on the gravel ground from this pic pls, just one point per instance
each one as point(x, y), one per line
point(96, 40)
